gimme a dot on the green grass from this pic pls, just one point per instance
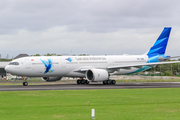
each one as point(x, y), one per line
point(125, 104)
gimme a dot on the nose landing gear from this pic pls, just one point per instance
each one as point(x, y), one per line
point(25, 83)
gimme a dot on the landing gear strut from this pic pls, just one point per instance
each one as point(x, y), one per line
point(25, 83)
point(109, 82)
point(82, 81)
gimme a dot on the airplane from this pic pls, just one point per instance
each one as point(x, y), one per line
point(91, 68)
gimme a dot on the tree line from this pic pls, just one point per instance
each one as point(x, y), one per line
point(166, 69)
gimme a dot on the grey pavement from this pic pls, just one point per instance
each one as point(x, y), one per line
point(73, 86)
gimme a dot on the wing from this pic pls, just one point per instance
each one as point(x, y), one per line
point(140, 65)
point(83, 70)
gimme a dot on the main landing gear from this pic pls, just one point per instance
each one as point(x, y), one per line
point(109, 82)
point(106, 82)
point(82, 81)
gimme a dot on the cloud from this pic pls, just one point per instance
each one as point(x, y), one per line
point(60, 41)
point(92, 27)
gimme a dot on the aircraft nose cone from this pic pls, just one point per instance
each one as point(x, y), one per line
point(7, 68)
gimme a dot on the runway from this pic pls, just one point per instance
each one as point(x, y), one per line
point(90, 86)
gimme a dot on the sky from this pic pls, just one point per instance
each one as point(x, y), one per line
point(95, 27)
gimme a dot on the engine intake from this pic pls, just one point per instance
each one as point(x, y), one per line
point(51, 79)
point(97, 75)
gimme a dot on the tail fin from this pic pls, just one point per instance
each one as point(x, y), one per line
point(159, 46)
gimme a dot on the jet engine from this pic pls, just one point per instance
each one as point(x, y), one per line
point(97, 75)
point(51, 79)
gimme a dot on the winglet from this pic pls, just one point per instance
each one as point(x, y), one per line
point(159, 46)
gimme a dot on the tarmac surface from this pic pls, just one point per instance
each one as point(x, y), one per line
point(73, 86)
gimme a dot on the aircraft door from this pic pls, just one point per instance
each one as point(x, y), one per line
point(110, 61)
point(28, 63)
point(63, 63)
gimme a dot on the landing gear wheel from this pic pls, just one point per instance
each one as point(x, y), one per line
point(113, 82)
point(109, 82)
point(25, 83)
point(82, 81)
point(104, 82)
point(86, 82)
point(78, 82)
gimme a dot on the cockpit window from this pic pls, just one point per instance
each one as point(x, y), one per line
point(13, 63)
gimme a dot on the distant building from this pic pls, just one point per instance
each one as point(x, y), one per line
point(2, 66)
point(7, 57)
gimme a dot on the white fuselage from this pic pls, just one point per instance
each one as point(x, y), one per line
point(71, 66)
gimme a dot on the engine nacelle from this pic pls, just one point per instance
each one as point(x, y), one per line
point(97, 75)
point(51, 79)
